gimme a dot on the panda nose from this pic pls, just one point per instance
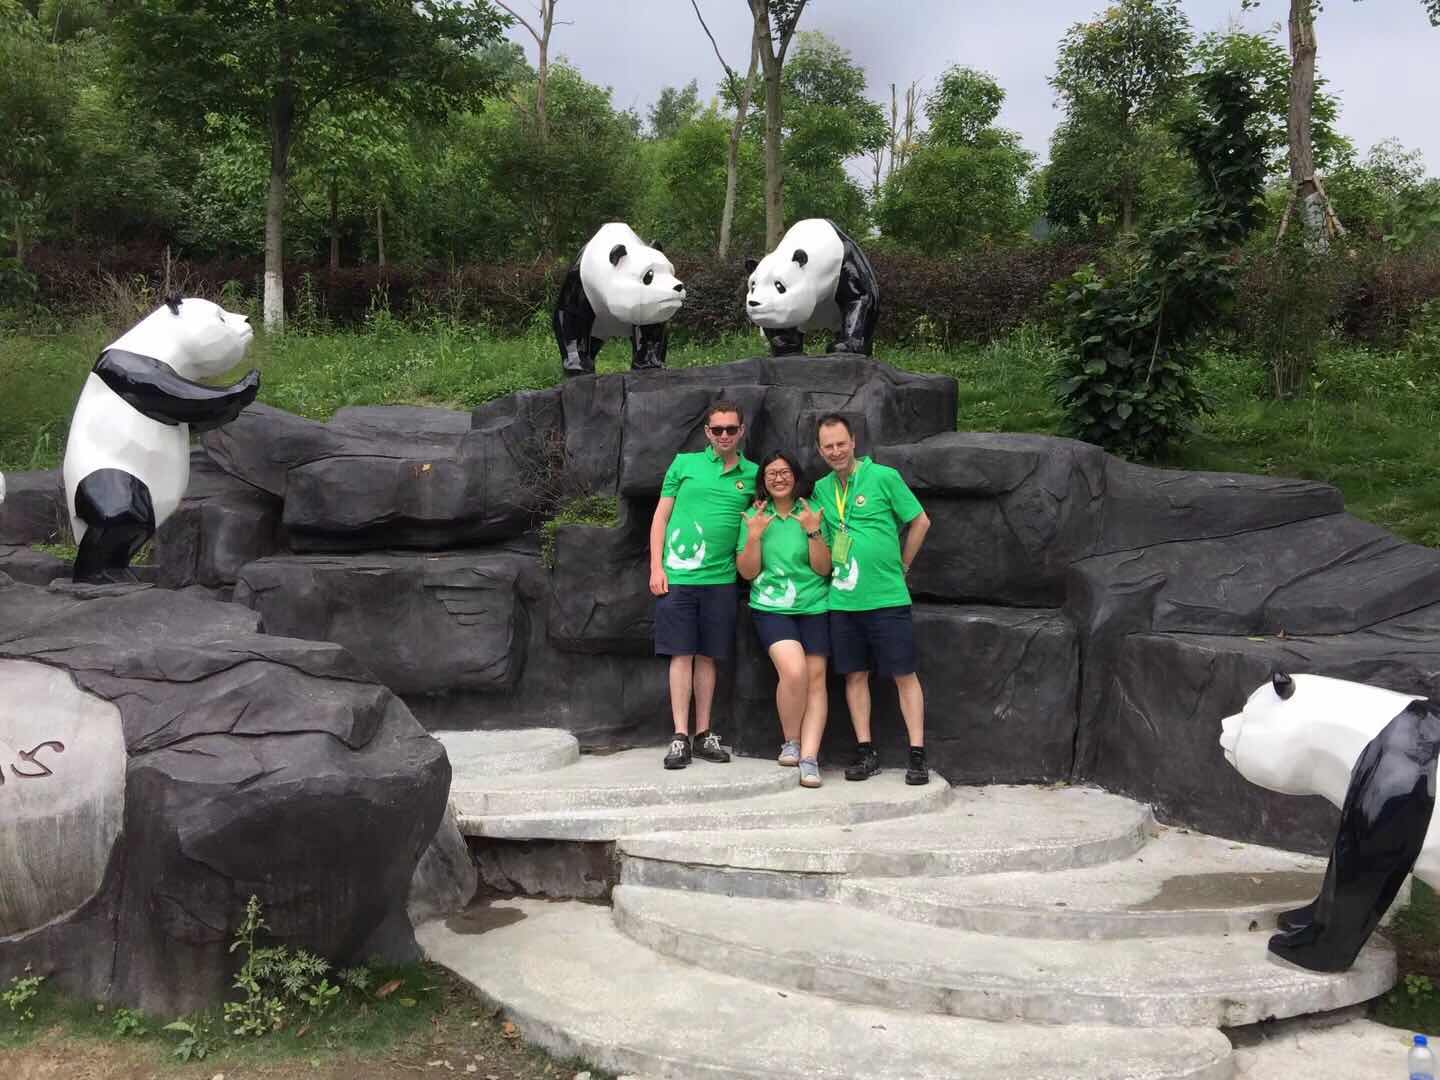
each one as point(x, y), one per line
point(679, 286)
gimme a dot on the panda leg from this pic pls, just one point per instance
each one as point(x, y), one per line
point(572, 321)
point(787, 342)
point(647, 347)
point(120, 517)
point(857, 326)
point(1301, 916)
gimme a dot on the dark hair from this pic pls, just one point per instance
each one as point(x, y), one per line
point(802, 489)
point(725, 406)
point(833, 418)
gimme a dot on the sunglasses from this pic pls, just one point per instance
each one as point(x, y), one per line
point(724, 429)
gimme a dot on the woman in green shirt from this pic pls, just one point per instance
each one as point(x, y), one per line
point(782, 553)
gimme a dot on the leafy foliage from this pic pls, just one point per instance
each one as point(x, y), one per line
point(964, 184)
point(19, 996)
point(1128, 384)
point(274, 981)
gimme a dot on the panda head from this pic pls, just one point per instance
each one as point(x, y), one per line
point(640, 285)
point(782, 291)
point(197, 338)
point(1290, 720)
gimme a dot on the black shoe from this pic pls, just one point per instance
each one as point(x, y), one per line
point(867, 764)
point(679, 755)
point(707, 746)
point(917, 773)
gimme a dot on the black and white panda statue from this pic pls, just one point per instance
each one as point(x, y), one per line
point(127, 457)
point(619, 286)
point(1368, 751)
point(817, 279)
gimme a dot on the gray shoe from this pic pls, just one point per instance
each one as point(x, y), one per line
point(809, 772)
point(790, 753)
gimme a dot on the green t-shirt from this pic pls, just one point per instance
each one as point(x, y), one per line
point(877, 504)
point(709, 499)
point(786, 584)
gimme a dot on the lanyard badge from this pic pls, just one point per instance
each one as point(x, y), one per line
point(840, 549)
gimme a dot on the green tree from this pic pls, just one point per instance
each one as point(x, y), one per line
point(560, 184)
point(37, 100)
point(965, 181)
point(690, 185)
point(775, 22)
point(270, 64)
point(674, 109)
point(1118, 76)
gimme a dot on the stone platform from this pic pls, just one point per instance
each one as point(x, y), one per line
point(874, 930)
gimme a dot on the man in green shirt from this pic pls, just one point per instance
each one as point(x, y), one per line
point(692, 574)
point(865, 507)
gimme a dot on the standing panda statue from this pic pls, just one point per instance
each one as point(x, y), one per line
point(817, 279)
point(1368, 751)
point(127, 458)
point(619, 286)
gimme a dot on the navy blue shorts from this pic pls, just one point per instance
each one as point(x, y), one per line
point(882, 641)
point(811, 631)
point(696, 620)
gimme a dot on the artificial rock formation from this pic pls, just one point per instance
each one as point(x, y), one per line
point(190, 761)
point(1078, 617)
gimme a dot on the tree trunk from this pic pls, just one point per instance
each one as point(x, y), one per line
point(380, 233)
point(732, 159)
point(547, 14)
point(281, 115)
point(1127, 214)
point(19, 237)
point(334, 224)
point(774, 166)
point(1307, 196)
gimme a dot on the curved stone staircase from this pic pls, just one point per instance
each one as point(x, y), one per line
point(759, 930)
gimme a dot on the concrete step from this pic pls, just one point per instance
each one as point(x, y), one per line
point(474, 754)
point(862, 957)
point(573, 984)
point(622, 780)
point(837, 803)
point(1179, 883)
point(984, 830)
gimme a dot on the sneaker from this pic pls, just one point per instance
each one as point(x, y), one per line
point(790, 753)
point(707, 746)
point(679, 755)
point(917, 773)
point(809, 772)
point(867, 764)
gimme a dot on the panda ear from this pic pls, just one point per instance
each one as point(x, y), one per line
point(616, 254)
point(657, 247)
point(750, 265)
point(1284, 685)
point(173, 303)
point(800, 257)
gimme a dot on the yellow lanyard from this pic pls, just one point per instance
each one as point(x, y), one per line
point(842, 502)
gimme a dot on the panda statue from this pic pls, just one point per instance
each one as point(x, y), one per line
point(817, 279)
point(1370, 752)
point(127, 458)
point(619, 286)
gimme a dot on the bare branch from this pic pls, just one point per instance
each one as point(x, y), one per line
point(729, 71)
point(519, 18)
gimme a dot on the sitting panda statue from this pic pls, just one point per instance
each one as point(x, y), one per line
point(127, 457)
point(619, 286)
point(1368, 751)
point(817, 279)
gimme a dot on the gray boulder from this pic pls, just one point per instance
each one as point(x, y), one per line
point(221, 524)
point(251, 765)
point(33, 508)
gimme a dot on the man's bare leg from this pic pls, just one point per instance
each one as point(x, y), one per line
point(681, 681)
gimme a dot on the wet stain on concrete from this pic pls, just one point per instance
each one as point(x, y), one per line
point(1190, 892)
point(483, 915)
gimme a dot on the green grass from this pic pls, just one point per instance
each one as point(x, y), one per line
point(1414, 1003)
point(1364, 424)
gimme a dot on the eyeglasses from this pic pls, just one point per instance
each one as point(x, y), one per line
point(779, 474)
point(724, 429)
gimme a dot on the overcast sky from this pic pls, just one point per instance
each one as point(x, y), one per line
point(1381, 56)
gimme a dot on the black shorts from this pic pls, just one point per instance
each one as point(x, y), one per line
point(881, 640)
point(696, 620)
point(811, 631)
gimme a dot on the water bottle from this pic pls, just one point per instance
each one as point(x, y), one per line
point(1422, 1061)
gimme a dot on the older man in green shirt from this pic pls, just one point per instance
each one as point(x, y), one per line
point(692, 574)
point(865, 506)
